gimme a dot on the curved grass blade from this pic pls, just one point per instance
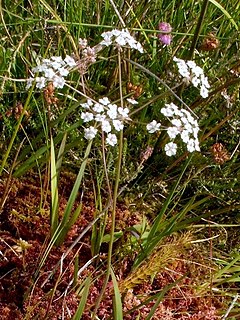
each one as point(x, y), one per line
point(83, 301)
point(118, 313)
point(224, 11)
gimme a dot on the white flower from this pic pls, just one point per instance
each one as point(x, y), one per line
point(153, 126)
point(98, 107)
point(185, 136)
point(90, 133)
point(100, 117)
point(57, 59)
point(121, 40)
point(197, 71)
point(123, 112)
point(40, 68)
point(118, 125)
point(183, 71)
point(167, 112)
point(204, 92)
point(46, 62)
point(106, 127)
point(132, 101)
point(191, 145)
point(63, 72)
point(196, 81)
point(170, 110)
point(139, 47)
point(112, 112)
point(56, 65)
point(87, 104)
point(40, 82)
point(115, 32)
point(204, 81)
point(176, 122)
point(173, 132)
point(87, 116)
point(29, 83)
point(58, 82)
point(107, 41)
point(183, 68)
point(191, 64)
point(197, 147)
point(111, 139)
point(82, 43)
point(105, 101)
point(195, 132)
point(70, 61)
point(170, 149)
point(49, 73)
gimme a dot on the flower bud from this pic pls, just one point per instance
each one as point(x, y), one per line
point(165, 38)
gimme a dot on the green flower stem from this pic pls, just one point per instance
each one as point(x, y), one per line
point(114, 206)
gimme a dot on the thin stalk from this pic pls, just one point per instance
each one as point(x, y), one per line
point(115, 195)
point(198, 30)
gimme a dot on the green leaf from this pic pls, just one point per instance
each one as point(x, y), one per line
point(54, 192)
point(83, 301)
point(64, 225)
point(117, 235)
point(117, 303)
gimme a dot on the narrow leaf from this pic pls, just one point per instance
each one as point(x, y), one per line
point(118, 313)
point(83, 301)
point(54, 191)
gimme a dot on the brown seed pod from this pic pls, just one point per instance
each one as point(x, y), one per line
point(136, 89)
point(49, 94)
point(219, 153)
point(210, 43)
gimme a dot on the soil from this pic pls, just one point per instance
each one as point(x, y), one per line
point(32, 290)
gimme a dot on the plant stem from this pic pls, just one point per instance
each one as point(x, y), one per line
point(114, 206)
point(198, 30)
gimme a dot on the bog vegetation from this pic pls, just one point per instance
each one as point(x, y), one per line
point(119, 171)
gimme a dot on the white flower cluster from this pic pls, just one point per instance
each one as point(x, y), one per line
point(120, 38)
point(183, 124)
point(53, 70)
point(193, 73)
point(109, 117)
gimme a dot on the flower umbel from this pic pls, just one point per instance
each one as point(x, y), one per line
point(183, 124)
point(193, 73)
point(53, 70)
point(107, 116)
point(120, 38)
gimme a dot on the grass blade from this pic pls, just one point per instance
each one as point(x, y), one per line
point(54, 192)
point(118, 313)
point(83, 301)
point(224, 11)
point(66, 216)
